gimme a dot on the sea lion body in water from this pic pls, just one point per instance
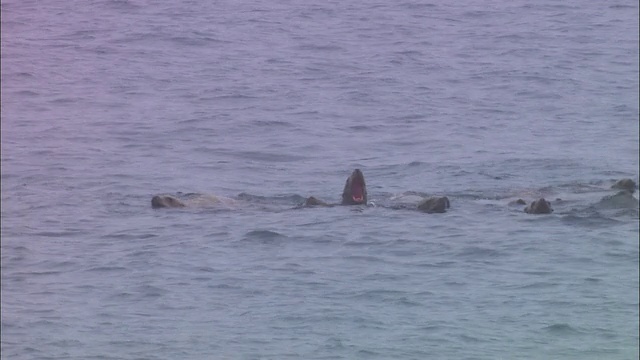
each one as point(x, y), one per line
point(412, 201)
point(162, 201)
point(190, 200)
point(354, 192)
point(540, 206)
point(623, 199)
point(313, 201)
point(434, 205)
point(625, 184)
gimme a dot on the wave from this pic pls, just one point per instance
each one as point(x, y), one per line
point(589, 219)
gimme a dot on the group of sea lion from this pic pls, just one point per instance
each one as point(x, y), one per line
point(355, 193)
point(541, 206)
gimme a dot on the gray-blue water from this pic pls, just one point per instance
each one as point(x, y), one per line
point(107, 103)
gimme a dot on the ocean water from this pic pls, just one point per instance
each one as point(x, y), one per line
point(107, 103)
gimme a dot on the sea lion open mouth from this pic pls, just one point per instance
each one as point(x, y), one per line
point(357, 194)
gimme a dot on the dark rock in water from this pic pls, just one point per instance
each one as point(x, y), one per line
point(434, 205)
point(540, 206)
point(625, 184)
point(162, 201)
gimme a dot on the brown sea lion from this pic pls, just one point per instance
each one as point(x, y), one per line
point(313, 201)
point(625, 184)
point(434, 205)
point(162, 201)
point(354, 193)
point(355, 189)
point(193, 200)
point(624, 199)
point(540, 206)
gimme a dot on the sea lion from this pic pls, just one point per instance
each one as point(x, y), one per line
point(313, 201)
point(625, 184)
point(354, 192)
point(623, 199)
point(162, 201)
point(434, 205)
point(192, 200)
point(540, 206)
point(355, 189)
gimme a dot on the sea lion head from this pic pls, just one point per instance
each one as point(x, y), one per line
point(625, 184)
point(355, 190)
point(540, 206)
point(434, 205)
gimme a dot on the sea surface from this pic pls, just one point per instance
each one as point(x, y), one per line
point(106, 103)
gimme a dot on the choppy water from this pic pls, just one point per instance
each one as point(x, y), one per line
point(106, 103)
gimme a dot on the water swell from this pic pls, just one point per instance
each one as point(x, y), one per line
point(264, 236)
point(562, 329)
